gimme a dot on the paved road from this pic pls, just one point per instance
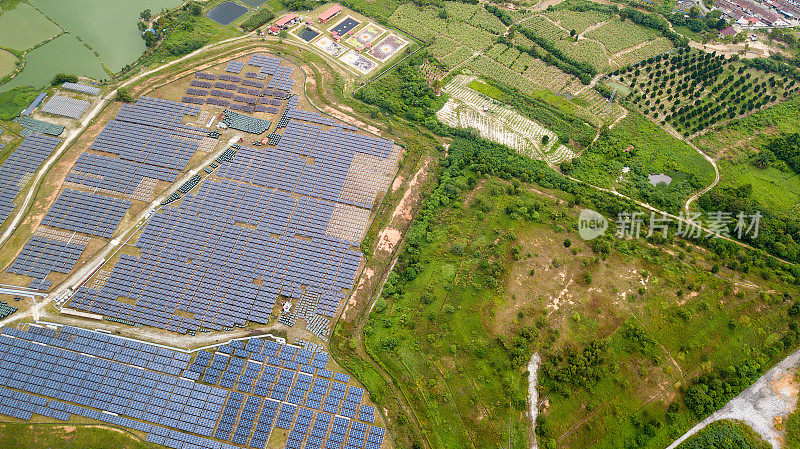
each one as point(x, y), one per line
point(759, 404)
point(84, 272)
point(73, 134)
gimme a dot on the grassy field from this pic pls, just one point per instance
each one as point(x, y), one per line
point(646, 149)
point(36, 436)
point(14, 101)
point(503, 274)
point(777, 187)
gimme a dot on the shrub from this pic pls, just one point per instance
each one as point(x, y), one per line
point(64, 78)
point(258, 19)
point(123, 95)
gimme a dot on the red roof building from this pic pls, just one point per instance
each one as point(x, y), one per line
point(727, 31)
point(330, 12)
point(274, 30)
point(285, 20)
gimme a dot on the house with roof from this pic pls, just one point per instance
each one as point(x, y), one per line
point(330, 13)
point(727, 31)
point(287, 21)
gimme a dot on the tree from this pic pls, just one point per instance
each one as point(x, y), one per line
point(64, 78)
point(694, 12)
point(146, 15)
point(194, 9)
point(545, 140)
point(567, 242)
point(123, 95)
point(573, 33)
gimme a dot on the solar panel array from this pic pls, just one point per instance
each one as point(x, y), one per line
point(268, 64)
point(82, 88)
point(282, 79)
point(227, 253)
point(33, 125)
point(234, 67)
point(86, 212)
point(243, 94)
point(25, 160)
point(65, 106)
point(40, 256)
point(150, 132)
point(245, 123)
point(114, 174)
point(234, 397)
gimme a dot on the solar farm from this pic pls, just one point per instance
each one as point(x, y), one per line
point(262, 231)
point(228, 397)
point(65, 107)
point(265, 233)
point(19, 166)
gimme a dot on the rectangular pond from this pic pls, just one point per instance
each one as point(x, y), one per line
point(226, 13)
point(307, 34)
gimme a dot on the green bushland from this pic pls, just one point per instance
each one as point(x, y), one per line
point(759, 173)
point(62, 78)
point(792, 427)
point(405, 92)
point(36, 436)
point(457, 324)
point(647, 149)
point(726, 434)
point(12, 102)
point(186, 32)
point(259, 18)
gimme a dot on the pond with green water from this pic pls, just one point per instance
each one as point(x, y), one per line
point(108, 26)
point(22, 26)
point(7, 61)
point(63, 54)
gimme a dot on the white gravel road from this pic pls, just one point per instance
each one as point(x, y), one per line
point(773, 395)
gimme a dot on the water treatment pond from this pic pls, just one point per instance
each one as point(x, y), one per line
point(226, 13)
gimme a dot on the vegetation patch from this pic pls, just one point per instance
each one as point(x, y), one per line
point(645, 149)
point(33, 436)
point(692, 91)
point(14, 101)
point(726, 434)
point(492, 271)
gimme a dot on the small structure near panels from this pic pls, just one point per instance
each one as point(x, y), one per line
point(65, 106)
point(81, 88)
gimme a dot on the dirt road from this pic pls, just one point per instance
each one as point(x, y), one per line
point(772, 396)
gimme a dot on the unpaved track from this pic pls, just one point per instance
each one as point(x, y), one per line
point(758, 406)
point(73, 134)
point(111, 248)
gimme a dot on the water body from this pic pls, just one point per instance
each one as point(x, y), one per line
point(108, 26)
point(22, 26)
point(63, 54)
point(7, 61)
point(225, 13)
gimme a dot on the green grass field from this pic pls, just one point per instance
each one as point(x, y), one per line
point(645, 148)
point(66, 436)
point(12, 102)
point(778, 190)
